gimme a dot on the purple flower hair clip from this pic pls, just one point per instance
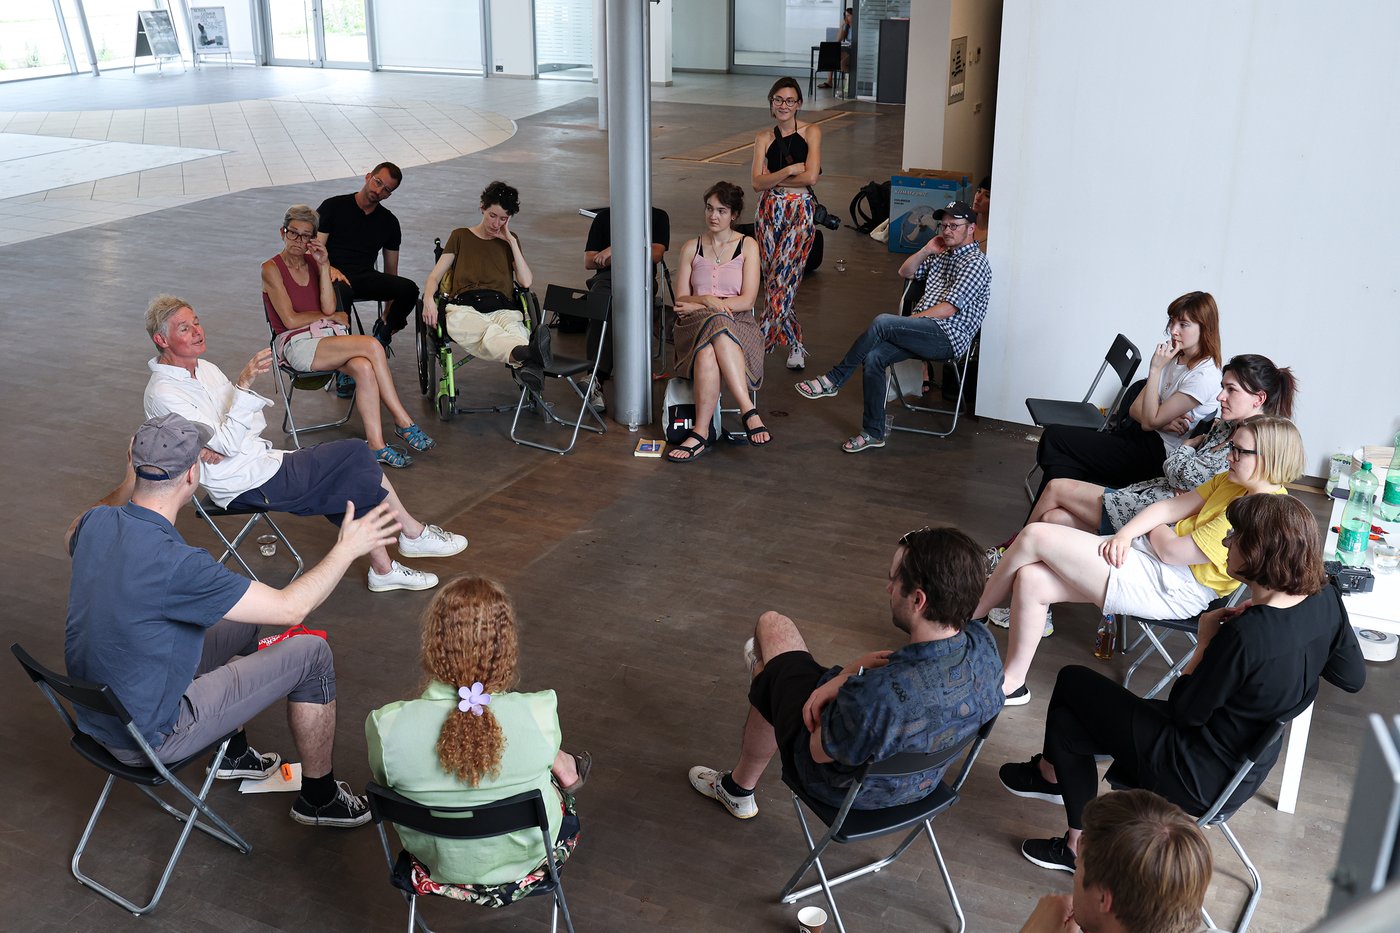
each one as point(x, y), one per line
point(475, 699)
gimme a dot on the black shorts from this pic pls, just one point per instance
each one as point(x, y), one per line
point(779, 692)
point(318, 481)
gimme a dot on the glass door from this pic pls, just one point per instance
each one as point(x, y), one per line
point(318, 33)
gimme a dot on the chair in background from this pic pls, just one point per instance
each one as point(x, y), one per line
point(847, 825)
point(99, 699)
point(1219, 813)
point(1155, 632)
point(513, 814)
point(208, 510)
point(290, 379)
point(1123, 357)
point(575, 301)
point(826, 56)
point(961, 367)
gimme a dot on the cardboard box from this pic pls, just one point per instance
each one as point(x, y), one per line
point(914, 198)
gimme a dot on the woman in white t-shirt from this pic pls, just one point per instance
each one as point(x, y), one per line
point(1183, 380)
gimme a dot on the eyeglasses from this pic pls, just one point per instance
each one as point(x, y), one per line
point(908, 535)
point(952, 225)
point(784, 101)
point(1228, 535)
point(300, 237)
point(1235, 450)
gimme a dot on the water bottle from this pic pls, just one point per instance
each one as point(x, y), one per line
point(1106, 640)
point(1389, 508)
point(1355, 534)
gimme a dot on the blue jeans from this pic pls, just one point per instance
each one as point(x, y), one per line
point(889, 339)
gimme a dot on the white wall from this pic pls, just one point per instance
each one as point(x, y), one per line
point(1147, 150)
point(701, 30)
point(957, 137)
point(661, 19)
point(512, 38)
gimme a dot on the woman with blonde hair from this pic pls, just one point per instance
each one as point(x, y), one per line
point(311, 335)
point(470, 738)
point(1168, 562)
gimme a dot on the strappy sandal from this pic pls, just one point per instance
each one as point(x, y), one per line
point(862, 442)
point(691, 453)
point(392, 456)
point(819, 387)
point(761, 429)
point(583, 763)
point(415, 438)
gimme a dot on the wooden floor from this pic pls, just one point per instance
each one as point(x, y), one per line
point(636, 581)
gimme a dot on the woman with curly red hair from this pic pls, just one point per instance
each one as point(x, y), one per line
point(469, 738)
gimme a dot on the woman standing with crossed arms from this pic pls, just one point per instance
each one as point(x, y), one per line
point(787, 160)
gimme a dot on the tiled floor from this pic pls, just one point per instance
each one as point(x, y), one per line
point(67, 169)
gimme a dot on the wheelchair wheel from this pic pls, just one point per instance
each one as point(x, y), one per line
point(425, 358)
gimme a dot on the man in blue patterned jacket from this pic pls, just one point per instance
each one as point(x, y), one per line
point(825, 723)
point(944, 321)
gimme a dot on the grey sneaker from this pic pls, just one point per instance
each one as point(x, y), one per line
point(400, 577)
point(1002, 619)
point(432, 542)
point(596, 400)
point(706, 781)
point(345, 810)
point(994, 555)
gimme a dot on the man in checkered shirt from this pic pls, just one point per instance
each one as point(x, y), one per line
point(957, 282)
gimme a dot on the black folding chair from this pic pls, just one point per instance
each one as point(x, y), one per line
point(1220, 811)
point(1155, 632)
point(1123, 357)
point(99, 699)
point(513, 814)
point(208, 510)
point(847, 825)
point(961, 368)
point(575, 301)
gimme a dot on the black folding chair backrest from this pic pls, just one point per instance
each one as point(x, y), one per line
point(913, 291)
point(96, 698)
point(916, 762)
point(560, 299)
point(1123, 358)
point(829, 56)
point(1223, 807)
point(523, 811)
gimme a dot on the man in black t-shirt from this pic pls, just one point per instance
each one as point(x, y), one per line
point(597, 257)
point(355, 228)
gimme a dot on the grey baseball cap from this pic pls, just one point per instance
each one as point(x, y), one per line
point(166, 446)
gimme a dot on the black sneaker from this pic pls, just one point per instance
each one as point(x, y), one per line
point(248, 765)
point(345, 810)
point(531, 375)
point(1025, 780)
point(380, 331)
point(344, 386)
point(1049, 853)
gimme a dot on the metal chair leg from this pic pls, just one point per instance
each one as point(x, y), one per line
point(947, 878)
point(1256, 887)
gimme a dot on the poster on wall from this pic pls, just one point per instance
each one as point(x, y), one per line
point(155, 35)
point(210, 28)
point(957, 70)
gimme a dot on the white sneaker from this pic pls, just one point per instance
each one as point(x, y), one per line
point(400, 577)
point(1002, 619)
point(797, 359)
point(595, 399)
point(432, 542)
point(750, 656)
point(707, 781)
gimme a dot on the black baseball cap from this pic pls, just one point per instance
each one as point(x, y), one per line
point(955, 209)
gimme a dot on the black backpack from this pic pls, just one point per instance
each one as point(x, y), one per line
point(871, 206)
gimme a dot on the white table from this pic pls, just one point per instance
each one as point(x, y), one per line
point(1378, 610)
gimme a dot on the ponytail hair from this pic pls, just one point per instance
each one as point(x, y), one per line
point(1259, 374)
point(469, 636)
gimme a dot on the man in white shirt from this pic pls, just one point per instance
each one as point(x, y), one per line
point(1143, 867)
point(242, 471)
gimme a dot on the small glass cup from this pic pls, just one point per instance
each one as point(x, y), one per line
point(1385, 558)
point(1335, 466)
point(840, 265)
point(267, 545)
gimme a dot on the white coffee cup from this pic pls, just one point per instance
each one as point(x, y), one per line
point(811, 920)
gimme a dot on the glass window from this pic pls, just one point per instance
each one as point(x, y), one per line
point(113, 26)
point(31, 45)
point(429, 34)
point(868, 16)
point(780, 33)
point(346, 40)
point(564, 38)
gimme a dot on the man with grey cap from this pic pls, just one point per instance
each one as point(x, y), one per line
point(243, 472)
point(957, 283)
point(174, 632)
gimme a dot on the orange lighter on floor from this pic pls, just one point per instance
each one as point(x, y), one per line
point(287, 773)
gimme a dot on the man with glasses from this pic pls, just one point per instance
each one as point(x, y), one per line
point(957, 283)
point(356, 228)
point(825, 723)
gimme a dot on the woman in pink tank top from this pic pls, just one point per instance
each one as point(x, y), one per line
point(311, 335)
point(717, 340)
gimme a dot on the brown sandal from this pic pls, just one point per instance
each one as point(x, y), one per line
point(583, 763)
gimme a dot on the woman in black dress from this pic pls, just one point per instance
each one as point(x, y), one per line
point(1254, 665)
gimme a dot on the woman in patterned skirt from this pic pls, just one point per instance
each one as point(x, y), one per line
point(717, 341)
point(787, 161)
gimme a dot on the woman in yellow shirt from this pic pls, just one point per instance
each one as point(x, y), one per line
point(1166, 563)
